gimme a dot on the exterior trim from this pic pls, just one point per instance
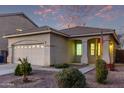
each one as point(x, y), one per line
point(35, 33)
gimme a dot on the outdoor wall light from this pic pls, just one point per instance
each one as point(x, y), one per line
point(111, 45)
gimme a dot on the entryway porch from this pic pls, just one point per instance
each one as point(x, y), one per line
point(89, 49)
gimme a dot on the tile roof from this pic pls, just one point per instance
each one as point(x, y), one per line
point(80, 30)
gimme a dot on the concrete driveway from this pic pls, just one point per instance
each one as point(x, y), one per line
point(7, 68)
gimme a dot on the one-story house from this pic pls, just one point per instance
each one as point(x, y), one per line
point(45, 46)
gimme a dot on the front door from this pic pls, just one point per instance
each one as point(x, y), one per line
point(93, 50)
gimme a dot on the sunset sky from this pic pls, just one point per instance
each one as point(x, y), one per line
point(60, 17)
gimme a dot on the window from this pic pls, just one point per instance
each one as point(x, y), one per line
point(78, 49)
point(21, 46)
point(42, 46)
point(25, 47)
point(38, 46)
point(18, 47)
point(29, 46)
point(33, 46)
point(92, 49)
point(99, 49)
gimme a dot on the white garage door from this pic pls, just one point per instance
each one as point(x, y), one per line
point(34, 53)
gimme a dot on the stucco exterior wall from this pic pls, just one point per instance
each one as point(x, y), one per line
point(41, 38)
point(115, 46)
point(71, 51)
point(59, 49)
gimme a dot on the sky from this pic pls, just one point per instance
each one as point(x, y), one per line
point(62, 16)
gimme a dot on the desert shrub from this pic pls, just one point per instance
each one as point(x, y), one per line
point(101, 71)
point(19, 70)
point(70, 78)
point(61, 65)
point(25, 68)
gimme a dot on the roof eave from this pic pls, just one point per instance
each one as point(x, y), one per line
point(85, 35)
point(35, 33)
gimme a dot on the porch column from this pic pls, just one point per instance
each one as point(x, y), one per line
point(106, 55)
point(84, 58)
point(9, 58)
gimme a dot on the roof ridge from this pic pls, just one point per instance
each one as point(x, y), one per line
point(87, 27)
point(11, 14)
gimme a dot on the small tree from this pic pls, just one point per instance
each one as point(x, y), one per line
point(24, 68)
point(101, 71)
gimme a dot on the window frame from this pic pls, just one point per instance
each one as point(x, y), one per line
point(78, 51)
point(92, 49)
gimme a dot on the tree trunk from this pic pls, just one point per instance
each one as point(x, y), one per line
point(25, 79)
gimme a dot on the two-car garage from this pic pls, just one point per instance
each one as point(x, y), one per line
point(33, 52)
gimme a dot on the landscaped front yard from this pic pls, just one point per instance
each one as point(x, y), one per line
point(41, 79)
point(115, 79)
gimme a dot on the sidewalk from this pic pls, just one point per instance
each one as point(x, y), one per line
point(83, 70)
point(87, 69)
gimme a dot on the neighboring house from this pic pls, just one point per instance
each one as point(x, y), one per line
point(121, 37)
point(46, 46)
point(12, 23)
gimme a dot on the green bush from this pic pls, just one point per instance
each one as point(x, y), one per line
point(61, 65)
point(70, 78)
point(19, 72)
point(101, 71)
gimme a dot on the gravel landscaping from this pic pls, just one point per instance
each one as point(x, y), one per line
point(39, 79)
point(46, 79)
point(115, 79)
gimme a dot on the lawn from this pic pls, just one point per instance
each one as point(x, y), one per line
point(41, 79)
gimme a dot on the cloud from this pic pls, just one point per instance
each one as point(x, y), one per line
point(104, 10)
point(73, 15)
point(44, 11)
point(107, 13)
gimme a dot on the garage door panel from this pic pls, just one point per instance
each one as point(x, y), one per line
point(34, 53)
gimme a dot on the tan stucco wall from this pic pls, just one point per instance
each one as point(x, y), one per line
point(115, 46)
point(59, 49)
point(71, 51)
